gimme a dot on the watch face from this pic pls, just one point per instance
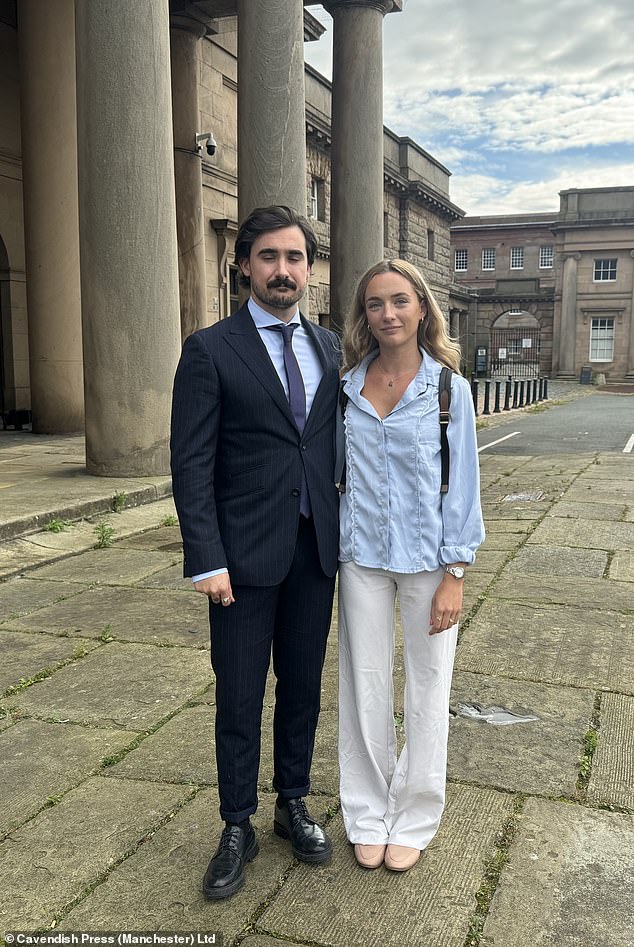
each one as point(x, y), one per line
point(457, 571)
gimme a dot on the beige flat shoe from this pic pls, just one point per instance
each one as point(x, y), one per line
point(369, 856)
point(401, 858)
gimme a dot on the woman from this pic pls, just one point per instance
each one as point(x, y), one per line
point(400, 537)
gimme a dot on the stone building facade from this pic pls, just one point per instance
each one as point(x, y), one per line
point(212, 92)
point(550, 293)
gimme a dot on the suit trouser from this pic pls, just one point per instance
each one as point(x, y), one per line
point(385, 799)
point(292, 619)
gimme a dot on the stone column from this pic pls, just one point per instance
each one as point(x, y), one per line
point(129, 257)
point(271, 105)
point(190, 229)
point(46, 36)
point(630, 348)
point(356, 219)
point(568, 326)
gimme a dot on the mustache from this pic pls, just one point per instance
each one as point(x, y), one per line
point(277, 283)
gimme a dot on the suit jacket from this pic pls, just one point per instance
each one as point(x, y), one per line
point(237, 455)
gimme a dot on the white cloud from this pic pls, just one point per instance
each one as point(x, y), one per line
point(479, 194)
point(494, 88)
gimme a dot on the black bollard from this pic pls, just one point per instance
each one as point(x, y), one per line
point(496, 409)
point(545, 389)
point(521, 402)
point(487, 397)
point(516, 391)
point(534, 390)
point(507, 394)
point(541, 389)
point(527, 400)
point(474, 393)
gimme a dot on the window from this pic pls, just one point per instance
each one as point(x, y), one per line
point(460, 261)
point(602, 340)
point(604, 270)
point(517, 258)
point(546, 256)
point(515, 311)
point(488, 258)
point(234, 283)
point(431, 245)
point(317, 199)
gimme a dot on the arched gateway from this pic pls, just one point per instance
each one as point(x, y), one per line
point(515, 344)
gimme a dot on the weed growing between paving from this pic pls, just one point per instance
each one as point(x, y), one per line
point(104, 533)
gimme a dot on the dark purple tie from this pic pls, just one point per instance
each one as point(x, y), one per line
point(296, 397)
point(296, 391)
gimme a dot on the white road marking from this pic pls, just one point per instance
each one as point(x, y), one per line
point(630, 444)
point(499, 441)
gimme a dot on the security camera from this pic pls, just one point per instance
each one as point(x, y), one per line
point(210, 142)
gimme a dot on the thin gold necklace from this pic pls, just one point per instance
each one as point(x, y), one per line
point(392, 378)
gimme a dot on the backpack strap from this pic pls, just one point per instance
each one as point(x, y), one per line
point(340, 447)
point(444, 403)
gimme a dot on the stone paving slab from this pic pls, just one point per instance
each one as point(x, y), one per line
point(612, 776)
point(501, 542)
point(65, 754)
point(170, 578)
point(475, 585)
point(564, 590)
point(153, 616)
point(30, 549)
point(165, 539)
point(159, 887)
point(346, 906)
point(622, 567)
point(540, 757)
point(114, 565)
point(130, 686)
point(181, 751)
point(22, 656)
point(595, 490)
point(575, 509)
point(569, 881)
point(550, 643)
point(558, 561)
point(49, 862)
point(558, 532)
point(488, 561)
point(521, 527)
point(607, 469)
point(20, 595)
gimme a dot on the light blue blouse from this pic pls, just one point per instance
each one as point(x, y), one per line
point(393, 515)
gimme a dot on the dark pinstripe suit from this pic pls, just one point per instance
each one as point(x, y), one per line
point(237, 460)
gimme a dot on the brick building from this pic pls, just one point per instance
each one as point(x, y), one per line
point(550, 293)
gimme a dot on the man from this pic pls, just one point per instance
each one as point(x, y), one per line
point(253, 418)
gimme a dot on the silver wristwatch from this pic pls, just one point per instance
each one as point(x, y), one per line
point(456, 571)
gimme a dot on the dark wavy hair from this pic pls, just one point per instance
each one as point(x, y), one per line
point(263, 219)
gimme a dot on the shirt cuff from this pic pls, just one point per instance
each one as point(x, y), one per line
point(208, 575)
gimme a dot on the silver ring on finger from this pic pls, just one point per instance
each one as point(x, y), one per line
point(226, 601)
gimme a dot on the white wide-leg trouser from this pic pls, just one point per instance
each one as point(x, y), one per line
point(385, 799)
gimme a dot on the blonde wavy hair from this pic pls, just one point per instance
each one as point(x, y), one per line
point(433, 337)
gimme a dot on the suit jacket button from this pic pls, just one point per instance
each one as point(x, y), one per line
point(294, 493)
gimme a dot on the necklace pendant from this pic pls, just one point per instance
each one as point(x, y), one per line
point(390, 383)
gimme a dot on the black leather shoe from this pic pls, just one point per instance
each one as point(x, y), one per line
point(225, 872)
point(310, 842)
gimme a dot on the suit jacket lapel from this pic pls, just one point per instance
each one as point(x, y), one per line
point(329, 358)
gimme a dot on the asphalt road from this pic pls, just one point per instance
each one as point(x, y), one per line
point(600, 422)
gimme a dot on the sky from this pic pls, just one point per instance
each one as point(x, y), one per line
point(519, 99)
